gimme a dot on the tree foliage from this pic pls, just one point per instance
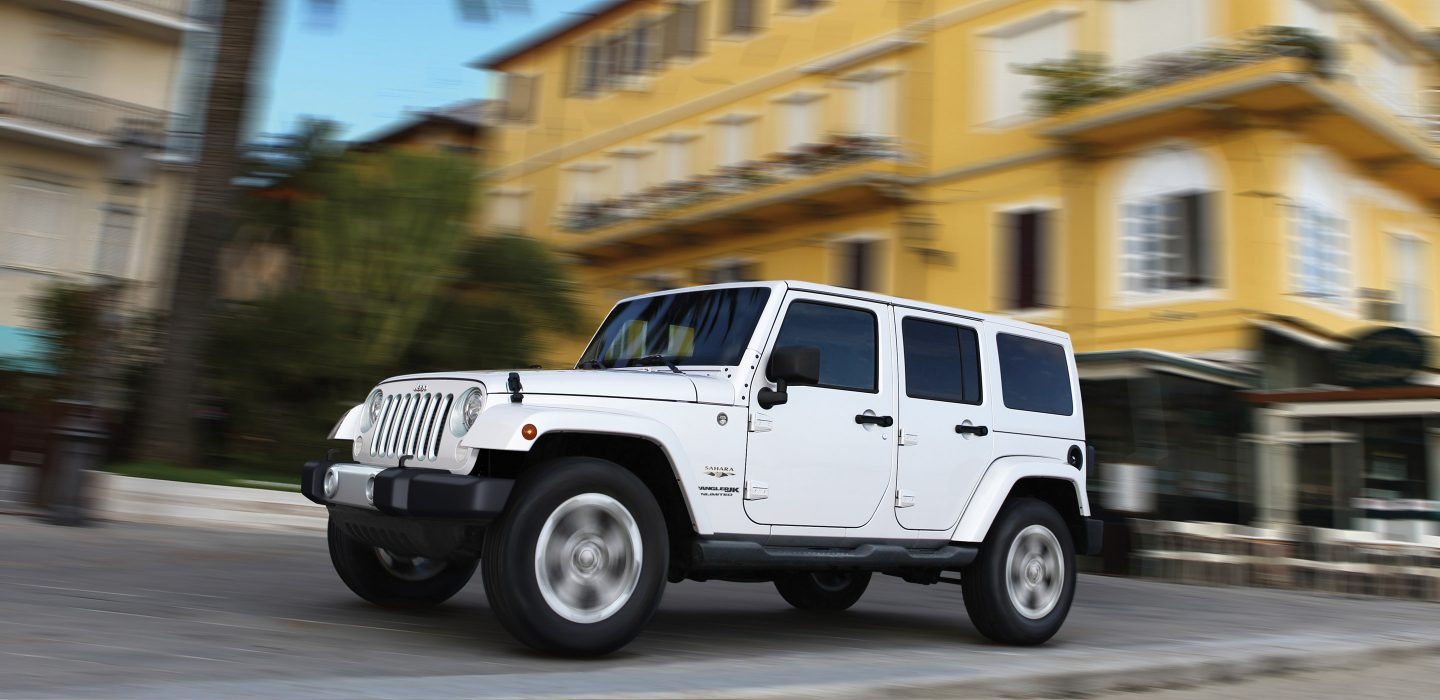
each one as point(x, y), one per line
point(389, 281)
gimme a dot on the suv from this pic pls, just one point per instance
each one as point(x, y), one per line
point(783, 432)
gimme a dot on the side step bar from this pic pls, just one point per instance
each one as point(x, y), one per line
point(713, 556)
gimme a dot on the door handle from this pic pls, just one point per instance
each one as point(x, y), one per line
point(976, 430)
point(882, 421)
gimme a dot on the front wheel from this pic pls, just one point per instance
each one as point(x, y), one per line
point(1019, 590)
point(394, 580)
point(577, 564)
point(823, 590)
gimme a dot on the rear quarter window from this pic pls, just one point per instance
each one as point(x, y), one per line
point(1034, 375)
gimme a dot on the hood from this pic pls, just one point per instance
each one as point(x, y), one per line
point(658, 384)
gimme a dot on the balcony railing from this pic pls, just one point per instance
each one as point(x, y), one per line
point(1084, 79)
point(80, 113)
point(731, 180)
point(176, 9)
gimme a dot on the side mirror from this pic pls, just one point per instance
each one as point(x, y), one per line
point(798, 365)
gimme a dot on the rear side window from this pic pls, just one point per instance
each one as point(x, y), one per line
point(942, 361)
point(847, 339)
point(1034, 375)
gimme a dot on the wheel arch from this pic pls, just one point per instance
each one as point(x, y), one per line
point(1049, 480)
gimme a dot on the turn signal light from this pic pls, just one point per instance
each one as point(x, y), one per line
point(529, 431)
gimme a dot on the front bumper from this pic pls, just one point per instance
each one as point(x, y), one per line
point(406, 491)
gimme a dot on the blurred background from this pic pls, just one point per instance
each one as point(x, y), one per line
point(221, 221)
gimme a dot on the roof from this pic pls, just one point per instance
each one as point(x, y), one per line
point(551, 32)
point(469, 114)
point(798, 285)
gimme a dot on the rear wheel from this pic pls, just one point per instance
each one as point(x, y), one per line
point(823, 590)
point(1019, 590)
point(395, 580)
point(577, 564)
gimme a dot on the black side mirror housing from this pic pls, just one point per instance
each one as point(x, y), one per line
point(798, 365)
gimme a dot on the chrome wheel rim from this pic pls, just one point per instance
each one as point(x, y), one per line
point(1035, 572)
point(588, 557)
point(409, 568)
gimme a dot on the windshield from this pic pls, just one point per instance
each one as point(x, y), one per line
point(687, 328)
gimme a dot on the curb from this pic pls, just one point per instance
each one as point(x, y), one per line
point(921, 672)
point(158, 502)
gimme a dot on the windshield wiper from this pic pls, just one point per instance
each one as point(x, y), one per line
point(590, 364)
point(649, 360)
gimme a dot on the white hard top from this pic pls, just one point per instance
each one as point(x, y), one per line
point(782, 285)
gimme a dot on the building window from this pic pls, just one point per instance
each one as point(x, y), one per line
point(678, 153)
point(1140, 28)
point(1167, 241)
point(508, 209)
point(1390, 76)
point(39, 212)
point(117, 239)
point(729, 271)
point(742, 17)
point(683, 29)
point(585, 184)
point(632, 171)
point(1314, 15)
point(520, 97)
point(799, 120)
point(857, 263)
point(804, 5)
point(1319, 233)
point(1045, 37)
point(1409, 267)
point(873, 103)
point(734, 140)
point(1026, 277)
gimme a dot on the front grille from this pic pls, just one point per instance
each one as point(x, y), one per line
point(411, 424)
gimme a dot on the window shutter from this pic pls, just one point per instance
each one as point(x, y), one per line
point(688, 30)
point(520, 97)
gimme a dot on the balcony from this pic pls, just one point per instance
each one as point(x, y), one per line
point(820, 180)
point(1274, 78)
point(165, 18)
point(49, 112)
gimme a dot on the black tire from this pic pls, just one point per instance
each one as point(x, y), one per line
point(823, 590)
point(1028, 618)
point(588, 489)
point(363, 568)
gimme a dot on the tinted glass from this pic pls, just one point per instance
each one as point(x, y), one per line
point(846, 338)
point(1034, 375)
point(942, 362)
point(688, 328)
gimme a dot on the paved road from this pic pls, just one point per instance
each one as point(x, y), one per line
point(145, 611)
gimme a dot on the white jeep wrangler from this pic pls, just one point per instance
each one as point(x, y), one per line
point(774, 431)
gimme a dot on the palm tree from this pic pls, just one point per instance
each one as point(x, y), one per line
point(167, 429)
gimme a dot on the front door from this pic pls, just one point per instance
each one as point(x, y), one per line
point(945, 439)
point(824, 457)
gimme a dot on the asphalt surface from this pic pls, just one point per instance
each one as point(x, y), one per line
point(149, 611)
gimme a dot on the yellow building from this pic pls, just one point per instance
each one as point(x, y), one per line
point(1221, 206)
point(91, 169)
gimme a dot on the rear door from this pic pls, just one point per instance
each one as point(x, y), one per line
point(944, 418)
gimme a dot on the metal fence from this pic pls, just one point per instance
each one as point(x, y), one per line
point(91, 115)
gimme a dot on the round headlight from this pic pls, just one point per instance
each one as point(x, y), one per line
point(467, 410)
point(372, 410)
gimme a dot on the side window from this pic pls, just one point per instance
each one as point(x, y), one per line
point(1034, 375)
point(847, 339)
point(942, 361)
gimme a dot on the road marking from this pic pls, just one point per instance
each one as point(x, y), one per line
point(75, 590)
